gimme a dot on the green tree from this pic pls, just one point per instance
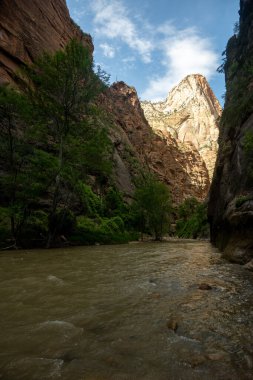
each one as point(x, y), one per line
point(192, 222)
point(152, 207)
point(23, 177)
point(62, 89)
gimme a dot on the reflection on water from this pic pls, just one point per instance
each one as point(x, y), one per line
point(103, 313)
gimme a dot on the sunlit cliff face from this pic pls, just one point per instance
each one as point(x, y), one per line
point(190, 114)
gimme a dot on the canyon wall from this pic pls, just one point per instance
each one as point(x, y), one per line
point(180, 167)
point(191, 115)
point(231, 196)
point(29, 28)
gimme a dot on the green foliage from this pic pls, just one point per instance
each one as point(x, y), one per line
point(92, 203)
point(111, 225)
point(63, 222)
point(248, 151)
point(239, 96)
point(27, 170)
point(101, 230)
point(63, 85)
point(114, 203)
point(152, 207)
point(187, 208)
point(192, 221)
point(5, 227)
point(60, 91)
point(38, 220)
point(95, 148)
point(248, 144)
point(242, 199)
point(53, 140)
point(35, 229)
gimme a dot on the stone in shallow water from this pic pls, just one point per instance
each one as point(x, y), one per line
point(172, 324)
point(249, 361)
point(249, 265)
point(218, 356)
point(205, 287)
point(33, 368)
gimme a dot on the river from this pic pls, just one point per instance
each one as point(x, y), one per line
point(125, 312)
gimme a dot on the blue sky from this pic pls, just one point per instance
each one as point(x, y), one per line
point(154, 44)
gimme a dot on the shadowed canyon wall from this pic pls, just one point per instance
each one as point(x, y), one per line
point(231, 196)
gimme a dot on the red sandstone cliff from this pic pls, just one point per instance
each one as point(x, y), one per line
point(30, 27)
point(182, 168)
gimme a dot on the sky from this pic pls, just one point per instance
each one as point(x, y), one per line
point(152, 45)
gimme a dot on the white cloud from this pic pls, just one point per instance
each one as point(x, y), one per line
point(108, 50)
point(184, 53)
point(112, 21)
point(178, 52)
point(79, 13)
point(128, 59)
point(167, 29)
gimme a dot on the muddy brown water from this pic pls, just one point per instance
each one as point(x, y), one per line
point(100, 313)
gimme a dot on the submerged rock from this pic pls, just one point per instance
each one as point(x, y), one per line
point(205, 287)
point(172, 324)
point(249, 265)
point(218, 356)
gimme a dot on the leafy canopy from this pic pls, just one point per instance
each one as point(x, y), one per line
point(152, 206)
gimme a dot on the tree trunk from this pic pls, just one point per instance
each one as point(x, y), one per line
point(51, 234)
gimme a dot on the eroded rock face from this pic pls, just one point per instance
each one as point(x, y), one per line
point(178, 165)
point(30, 27)
point(231, 196)
point(190, 114)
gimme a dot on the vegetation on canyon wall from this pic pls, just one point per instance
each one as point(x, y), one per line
point(152, 207)
point(56, 174)
point(192, 220)
point(52, 143)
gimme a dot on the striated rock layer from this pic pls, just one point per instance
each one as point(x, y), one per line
point(231, 196)
point(30, 27)
point(178, 166)
point(190, 114)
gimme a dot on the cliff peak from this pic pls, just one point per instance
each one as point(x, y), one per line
point(179, 166)
point(190, 114)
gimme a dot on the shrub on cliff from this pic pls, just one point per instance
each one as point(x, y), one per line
point(247, 145)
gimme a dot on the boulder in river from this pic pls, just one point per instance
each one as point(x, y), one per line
point(249, 265)
point(205, 287)
point(172, 324)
